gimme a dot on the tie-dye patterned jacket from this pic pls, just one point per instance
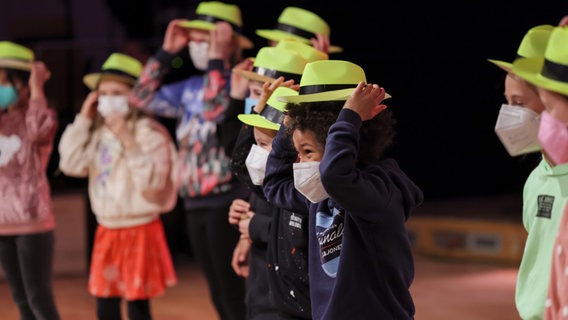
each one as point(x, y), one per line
point(199, 103)
point(26, 143)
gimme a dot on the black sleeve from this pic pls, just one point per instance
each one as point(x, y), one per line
point(228, 129)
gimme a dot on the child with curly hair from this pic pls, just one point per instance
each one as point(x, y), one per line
point(328, 157)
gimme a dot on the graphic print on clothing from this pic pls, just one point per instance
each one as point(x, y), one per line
point(108, 152)
point(205, 167)
point(329, 232)
point(545, 203)
point(9, 145)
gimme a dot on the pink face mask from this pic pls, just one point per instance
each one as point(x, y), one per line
point(553, 137)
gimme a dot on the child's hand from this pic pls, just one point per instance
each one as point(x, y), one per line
point(244, 225)
point(39, 74)
point(221, 43)
point(366, 100)
point(239, 84)
point(239, 262)
point(176, 37)
point(89, 108)
point(238, 210)
point(320, 42)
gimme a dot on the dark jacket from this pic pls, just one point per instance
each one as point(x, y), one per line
point(360, 259)
point(279, 240)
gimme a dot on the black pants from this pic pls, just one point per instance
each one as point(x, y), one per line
point(109, 309)
point(28, 264)
point(213, 240)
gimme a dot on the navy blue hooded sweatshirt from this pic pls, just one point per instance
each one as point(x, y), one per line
point(360, 257)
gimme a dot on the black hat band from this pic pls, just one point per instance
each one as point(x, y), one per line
point(555, 71)
point(272, 114)
point(317, 88)
point(275, 74)
point(295, 31)
point(117, 73)
point(212, 19)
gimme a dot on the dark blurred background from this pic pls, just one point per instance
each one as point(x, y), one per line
point(431, 56)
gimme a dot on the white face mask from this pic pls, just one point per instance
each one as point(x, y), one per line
point(256, 164)
point(517, 128)
point(199, 54)
point(307, 181)
point(108, 104)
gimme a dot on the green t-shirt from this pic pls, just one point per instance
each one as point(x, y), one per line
point(544, 199)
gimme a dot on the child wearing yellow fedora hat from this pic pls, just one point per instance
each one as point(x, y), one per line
point(328, 157)
point(273, 69)
point(518, 120)
point(130, 161)
point(548, 74)
point(275, 254)
point(302, 25)
point(27, 131)
point(200, 103)
point(517, 127)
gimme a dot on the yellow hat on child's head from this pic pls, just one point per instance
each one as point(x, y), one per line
point(119, 67)
point(15, 56)
point(272, 115)
point(210, 12)
point(308, 52)
point(298, 24)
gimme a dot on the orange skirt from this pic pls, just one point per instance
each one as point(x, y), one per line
point(132, 263)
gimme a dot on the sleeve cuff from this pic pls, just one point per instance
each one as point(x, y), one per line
point(164, 57)
point(350, 116)
point(82, 121)
point(216, 64)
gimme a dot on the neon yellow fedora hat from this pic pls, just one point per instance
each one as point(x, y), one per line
point(533, 45)
point(308, 52)
point(15, 56)
point(210, 12)
point(272, 115)
point(298, 24)
point(551, 71)
point(119, 67)
point(328, 80)
point(271, 63)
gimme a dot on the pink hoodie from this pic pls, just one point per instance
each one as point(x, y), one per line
point(26, 142)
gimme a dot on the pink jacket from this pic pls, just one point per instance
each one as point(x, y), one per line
point(26, 142)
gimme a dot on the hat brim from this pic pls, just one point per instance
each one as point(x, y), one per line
point(92, 80)
point(335, 95)
point(15, 64)
point(278, 35)
point(507, 66)
point(529, 70)
point(256, 120)
point(244, 42)
point(253, 76)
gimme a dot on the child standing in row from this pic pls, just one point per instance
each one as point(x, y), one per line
point(215, 43)
point(27, 131)
point(545, 72)
point(130, 160)
point(360, 258)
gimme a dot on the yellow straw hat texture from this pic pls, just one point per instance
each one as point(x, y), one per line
point(533, 45)
point(272, 62)
point(272, 115)
point(15, 56)
point(550, 71)
point(118, 66)
point(308, 52)
point(328, 80)
point(298, 24)
point(210, 12)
